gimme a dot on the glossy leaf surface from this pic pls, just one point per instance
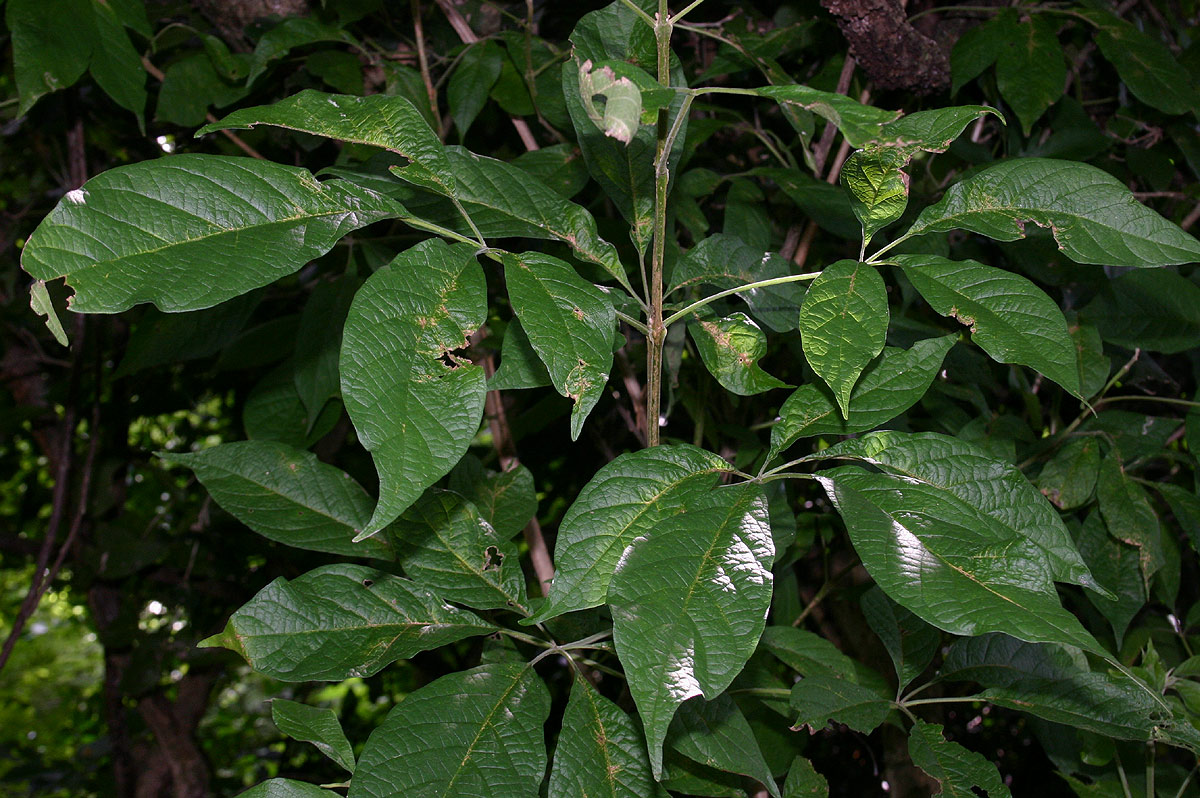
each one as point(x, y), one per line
point(730, 349)
point(601, 752)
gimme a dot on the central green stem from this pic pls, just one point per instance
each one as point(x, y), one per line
point(657, 330)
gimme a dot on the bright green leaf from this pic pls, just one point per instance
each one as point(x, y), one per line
point(730, 349)
point(40, 303)
point(413, 412)
point(314, 725)
point(689, 602)
point(878, 187)
point(570, 324)
point(340, 621)
point(959, 772)
point(859, 123)
point(930, 131)
point(843, 325)
point(189, 231)
point(465, 735)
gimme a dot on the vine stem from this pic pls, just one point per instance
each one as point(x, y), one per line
point(662, 177)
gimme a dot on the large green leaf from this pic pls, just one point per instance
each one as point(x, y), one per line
point(859, 123)
point(627, 498)
point(287, 495)
point(189, 231)
point(380, 120)
point(891, 384)
point(1031, 71)
point(730, 349)
point(820, 699)
point(570, 324)
point(689, 602)
point(413, 412)
point(843, 325)
point(1129, 515)
point(1145, 64)
point(340, 621)
point(965, 474)
point(466, 735)
point(948, 563)
point(1010, 318)
point(910, 642)
point(716, 734)
point(314, 725)
point(930, 131)
point(601, 752)
point(443, 544)
point(1093, 216)
point(959, 772)
point(506, 499)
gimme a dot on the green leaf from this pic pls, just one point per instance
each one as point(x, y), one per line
point(1010, 318)
point(996, 660)
point(47, 54)
point(1185, 506)
point(940, 559)
point(1128, 514)
point(820, 699)
point(1145, 64)
point(288, 34)
point(724, 262)
point(1154, 309)
point(507, 500)
point(444, 545)
point(843, 325)
point(731, 348)
point(627, 498)
point(559, 166)
point(1070, 477)
point(116, 64)
point(1101, 703)
point(601, 752)
point(808, 653)
point(716, 734)
point(859, 124)
point(472, 81)
point(828, 206)
point(314, 725)
point(570, 325)
point(287, 495)
point(891, 384)
point(189, 231)
point(689, 602)
point(319, 342)
point(977, 49)
point(878, 187)
point(520, 366)
point(930, 131)
point(803, 781)
point(467, 734)
point(40, 303)
point(910, 642)
point(1093, 216)
point(1031, 71)
point(959, 772)
point(379, 120)
point(413, 412)
point(190, 86)
point(622, 113)
point(286, 788)
point(340, 621)
point(964, 474)
point(274, 412)
point(1117, 567)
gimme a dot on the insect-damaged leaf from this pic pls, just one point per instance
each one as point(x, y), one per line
point(1010, 318)
point(730, 348)
point(955, 768)
point(570, 324)
point(601, 751)
point(340, 621)
point(843, 325)
point(878, 187)
point(189, 231)
point(629, 497)
point(413, 412)
point(1093, 216)
point(467, 734)
point(689, 602)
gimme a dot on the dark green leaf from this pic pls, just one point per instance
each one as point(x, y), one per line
point(443, 543)
point(1010, 318)
point(1145, 64)
point(520, 366)
point(1153, 309)
point(689, 602)
point(910, 642)
point(828, 206)
point(286, 788)
point(161, 338)
point(190, 87)
point(189, 231)
point(808, 653)
point(1185, 506)
point(997, 660)
point(570, 324)
point(1031, 71)
point(116, 64)
point(601, 752)
point(891, 384)
point(878, 187)
point(820, 699)
point(287, 495)
point(288, 34)
point(340, 621)
point(319, 342)
point(730, 349)
point(966, 475)
point(1117, 567)
point(724, 262)
point(314, 725)
point(47, 54)
point(274, 412)
point(803, 781)
point(1128, 514)
point(559, 166)
point(629, 497)
point(977, 49)
point(843, 325)
point(413, 412)
point(472, 81)
point(860, 124)
point(959, 772)
point(1069, 479)
point(717, 735)
point(930, 131)
point(467, 734)
point(1093, 216)
point(506, 500)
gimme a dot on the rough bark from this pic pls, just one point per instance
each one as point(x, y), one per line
point(893, 53)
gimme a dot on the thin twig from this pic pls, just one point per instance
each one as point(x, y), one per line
point(423, 61)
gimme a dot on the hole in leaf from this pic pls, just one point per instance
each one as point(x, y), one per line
point(492, 559)
point(368, 582)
